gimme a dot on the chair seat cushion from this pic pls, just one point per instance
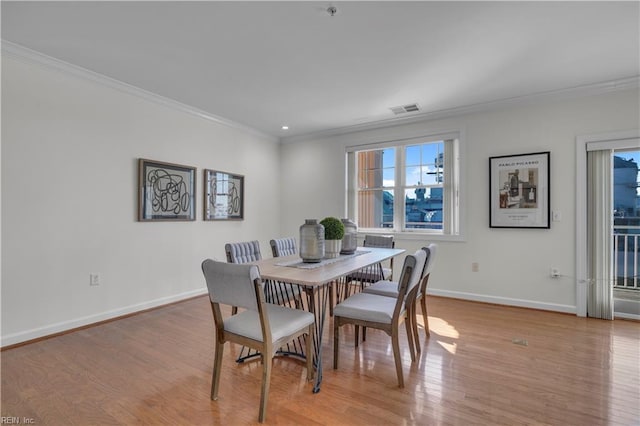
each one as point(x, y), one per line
point(283, 321)
point(367, 307)
point(383, 288)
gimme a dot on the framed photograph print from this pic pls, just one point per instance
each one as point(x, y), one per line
point(223, 196)
point(166, 191)
point(519, 191)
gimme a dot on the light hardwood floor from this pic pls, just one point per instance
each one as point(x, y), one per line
point(154, 368)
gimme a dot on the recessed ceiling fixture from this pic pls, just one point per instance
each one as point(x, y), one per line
point(285, 127)
point(405, 109)
point(332, 10)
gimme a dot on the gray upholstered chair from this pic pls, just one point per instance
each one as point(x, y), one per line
point(376, 272)
point(390, 289)
point(249, 251)
point(382, 312)
point(283, 247)
point(282, 291)
point(362, 278)
point(261, 326)
point(243, 252)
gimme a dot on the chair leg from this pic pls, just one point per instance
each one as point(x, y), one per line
point(409, 328)
point(267, 360)
point(414, 325)
point(310, 353)
point(336, 339)
point(357, 334)
point(396, 356)
point(364, 334)
point(332, 296)
point(425, 317)
point(217, 369)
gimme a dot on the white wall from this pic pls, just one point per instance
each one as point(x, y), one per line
point(514, 264)
point(69, 200)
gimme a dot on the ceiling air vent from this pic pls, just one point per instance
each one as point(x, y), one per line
point(405, 109)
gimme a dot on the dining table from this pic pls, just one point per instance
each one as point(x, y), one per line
point(314, 280)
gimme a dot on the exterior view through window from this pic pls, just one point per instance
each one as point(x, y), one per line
point(408, 188)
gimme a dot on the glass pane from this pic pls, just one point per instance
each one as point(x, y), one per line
point(413, 157)
point(414, 176)
point(626, 219)
point(375, 209)
point(389, 177)
point(432, 153)
point(389, 157)
point(423, 208)
point(376, 168)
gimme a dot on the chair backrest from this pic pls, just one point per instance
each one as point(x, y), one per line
point(243, 252)
point(413, 265)
point(231, 284)
point(433, 248)
point(381, 241)
point(428, 267)
point(416, 273)
point(283, 247)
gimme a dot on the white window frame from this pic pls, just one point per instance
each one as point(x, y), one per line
point(453, 211)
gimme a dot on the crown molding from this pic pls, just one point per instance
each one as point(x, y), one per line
point(25, 54)
point(548, 96)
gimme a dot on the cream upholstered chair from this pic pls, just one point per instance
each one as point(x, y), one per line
point(382, 312)
point(283, 247)
point(261, 326)
point(422, 293)
point(390, 289)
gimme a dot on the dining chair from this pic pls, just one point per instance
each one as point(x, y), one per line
point(261, 326)
point(376, 272)
point(283, 247)
point(382, 312)
point(390, 289)
point(368, 275)
point(243, 252)
point(285, 292)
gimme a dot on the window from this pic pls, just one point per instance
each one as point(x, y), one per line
point(409, 186)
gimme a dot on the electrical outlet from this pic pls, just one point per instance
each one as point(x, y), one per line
point(94, 279)
point(554, 272)
point(475, 267)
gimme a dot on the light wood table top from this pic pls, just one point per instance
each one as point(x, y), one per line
point(311, 275)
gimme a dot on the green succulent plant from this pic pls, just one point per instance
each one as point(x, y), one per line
point(333, 228)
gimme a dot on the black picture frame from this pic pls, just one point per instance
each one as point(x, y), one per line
point(223, 195)
point(166, 191)
point(519, 191)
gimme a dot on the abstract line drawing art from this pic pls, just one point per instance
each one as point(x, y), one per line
point(223, 196)
point(166, 191)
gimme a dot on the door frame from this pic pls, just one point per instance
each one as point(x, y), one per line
point(609, 140)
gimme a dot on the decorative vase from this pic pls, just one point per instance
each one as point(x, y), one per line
point(349, 241)
point(332, 248)
point(311, 241)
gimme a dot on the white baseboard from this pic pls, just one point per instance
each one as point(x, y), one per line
point(23, 336)
point(503, 301)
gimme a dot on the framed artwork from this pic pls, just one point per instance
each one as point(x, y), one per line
point(166, 191)
point(519, 191)
point(223, 196)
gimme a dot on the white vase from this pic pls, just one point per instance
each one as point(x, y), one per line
point(332, 248)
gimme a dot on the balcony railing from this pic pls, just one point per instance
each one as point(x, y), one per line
point(625, 252)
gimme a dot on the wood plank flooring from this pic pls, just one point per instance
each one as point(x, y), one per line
point(154, 368)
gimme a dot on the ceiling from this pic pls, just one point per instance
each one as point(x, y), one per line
point(268, 64)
